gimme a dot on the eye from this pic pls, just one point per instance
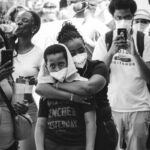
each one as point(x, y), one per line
point(52, 66)
point(118, 18)
point(81, 50)
point(25, 20)
point(61, 64)
point(129, 17)
point(73, 52)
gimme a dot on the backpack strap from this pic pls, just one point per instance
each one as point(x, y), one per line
point(108, 39)
point(140, 42)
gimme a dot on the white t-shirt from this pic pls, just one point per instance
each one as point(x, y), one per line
point(28, 64)
point(127, 91)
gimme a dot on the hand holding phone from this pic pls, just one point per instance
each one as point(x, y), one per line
point(5, 70)
point(123, 33)
point(7, 56)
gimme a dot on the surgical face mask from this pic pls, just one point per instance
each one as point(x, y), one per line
point(80, 60)
point(123, 24)
point(140, 27)
point(59, 75)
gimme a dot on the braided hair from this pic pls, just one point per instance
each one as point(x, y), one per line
point(68, 33)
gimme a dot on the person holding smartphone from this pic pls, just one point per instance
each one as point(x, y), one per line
point(129, 74)
point(27, 62)
point(7, 139)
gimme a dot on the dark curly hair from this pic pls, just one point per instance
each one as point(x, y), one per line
point(68, 32)
point(122, 4)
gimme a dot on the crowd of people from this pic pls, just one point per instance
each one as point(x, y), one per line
point(81, 73)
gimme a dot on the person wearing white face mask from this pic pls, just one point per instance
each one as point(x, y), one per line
point(80, 60)
point(141, 20)
point(71, 125)
point(129, 74)
point(96, 72)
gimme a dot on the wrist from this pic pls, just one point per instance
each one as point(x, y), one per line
point(111, 53)
point(136, 55)
point(57, 85)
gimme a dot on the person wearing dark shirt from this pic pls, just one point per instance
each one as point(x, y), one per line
point(96, 72)
point(66, 123)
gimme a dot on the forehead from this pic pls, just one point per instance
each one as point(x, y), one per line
point(122, 12)
point(25, 15)
point(52, 58)
point(74, 44)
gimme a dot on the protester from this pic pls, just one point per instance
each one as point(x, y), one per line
point(26, 65)
point(6, 125)
point(129, 73)
point(7, 132)
point(141, 21)
point(96, 72)
point(76, 129)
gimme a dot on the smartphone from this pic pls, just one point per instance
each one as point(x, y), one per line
point(122, 31)
point(7, 55)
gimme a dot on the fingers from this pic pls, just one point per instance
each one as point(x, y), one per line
point(6, 64)
point(5, 72)
point(32, 80)
point(81, 99)
point(20, 108)
point(82, 102)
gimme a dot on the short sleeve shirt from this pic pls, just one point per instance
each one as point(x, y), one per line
point(65, 121)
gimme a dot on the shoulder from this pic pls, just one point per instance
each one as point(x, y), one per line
point(37, 50)
point(38, 53)
point(98, 67)
point(95, 63)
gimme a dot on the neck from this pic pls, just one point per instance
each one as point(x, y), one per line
point(83, 70)
point(24, 45)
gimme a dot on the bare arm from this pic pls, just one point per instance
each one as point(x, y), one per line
point(90, 121)
point(90, 87)
point(40, 133)
point(49, 91)
point(117, 42)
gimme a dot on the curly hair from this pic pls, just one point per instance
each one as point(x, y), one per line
point(122, 4)
point(67, 33)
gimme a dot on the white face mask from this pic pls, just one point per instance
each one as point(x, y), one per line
point(80, 60)
point(59, 75)
point(123, 24)
point(140, 27)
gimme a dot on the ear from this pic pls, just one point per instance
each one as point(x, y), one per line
point(34, 29)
